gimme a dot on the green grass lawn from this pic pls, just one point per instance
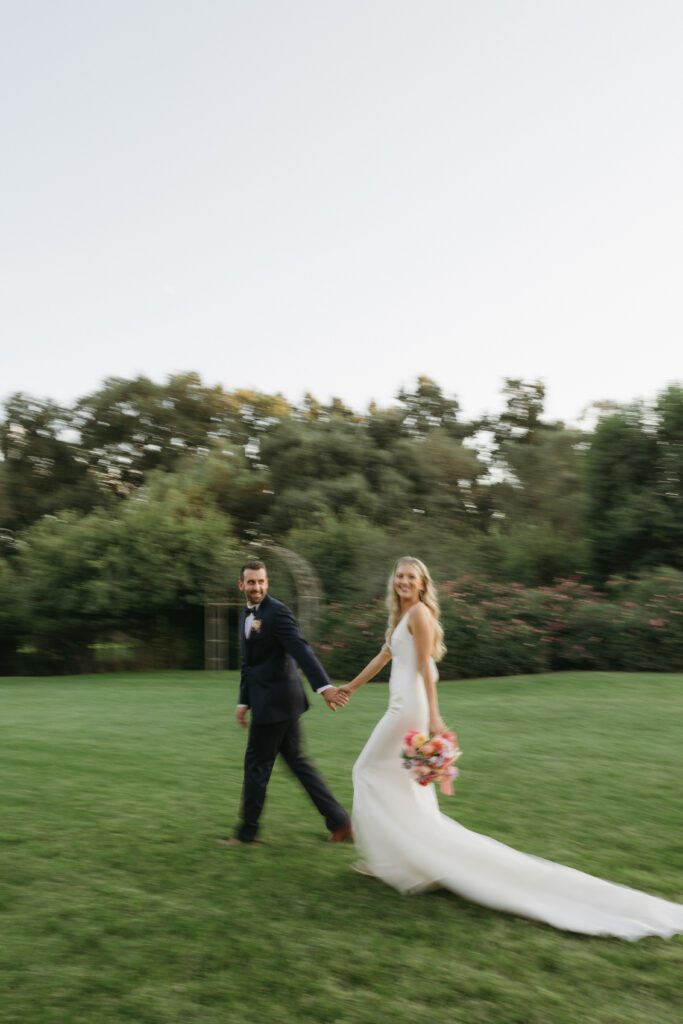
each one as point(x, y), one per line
point(119, 906)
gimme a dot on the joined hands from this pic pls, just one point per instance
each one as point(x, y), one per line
point(335, 697)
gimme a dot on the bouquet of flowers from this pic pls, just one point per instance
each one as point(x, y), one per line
point(431, 758)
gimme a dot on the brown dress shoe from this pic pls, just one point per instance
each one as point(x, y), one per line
point(343, 834)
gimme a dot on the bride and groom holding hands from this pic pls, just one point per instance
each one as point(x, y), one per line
point(402, 837)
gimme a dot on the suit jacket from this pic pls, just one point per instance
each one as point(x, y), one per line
point(269, 682)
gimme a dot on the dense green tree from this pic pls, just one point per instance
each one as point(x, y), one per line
point(547, 482)
point(44, 469)
point(445, 484)
point(634, 486)
point(621, 505)
point(669, 486)
point(5, 507)
point(131, 569)
point(385, 427)
point(426, 408)
point(521, 420)
point(536, 495)
point(12, 615)
point(312, 410)
point(120, 514)
point(239, 486)
point(316, 468)
point(130, 427)
point(530, 553)
point(351, 555)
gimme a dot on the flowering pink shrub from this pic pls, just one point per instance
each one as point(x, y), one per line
point(495, 629)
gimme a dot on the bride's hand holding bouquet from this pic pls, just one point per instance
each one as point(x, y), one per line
point(431, 758)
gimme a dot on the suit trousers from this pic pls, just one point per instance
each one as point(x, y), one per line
point(264, 744)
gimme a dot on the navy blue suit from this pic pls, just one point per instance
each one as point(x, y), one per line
point(271, 688)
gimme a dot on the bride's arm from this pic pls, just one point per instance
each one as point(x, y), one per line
point(422, 628)
point(369, 672)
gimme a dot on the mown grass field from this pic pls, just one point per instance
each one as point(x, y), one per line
point(118, 906)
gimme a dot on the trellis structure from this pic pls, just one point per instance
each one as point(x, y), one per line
point(306, 583)
point(217, 635)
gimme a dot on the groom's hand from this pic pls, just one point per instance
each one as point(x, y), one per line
point(335, 698)
point(241, 716)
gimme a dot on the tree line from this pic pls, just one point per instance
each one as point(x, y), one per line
point(121, 514)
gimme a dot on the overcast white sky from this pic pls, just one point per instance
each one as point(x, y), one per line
point(339, 195)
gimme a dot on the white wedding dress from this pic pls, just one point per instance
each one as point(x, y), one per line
point(406, 841)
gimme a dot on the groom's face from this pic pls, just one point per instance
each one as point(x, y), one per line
point(254, 585)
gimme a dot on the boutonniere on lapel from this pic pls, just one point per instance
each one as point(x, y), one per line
point(255, 627)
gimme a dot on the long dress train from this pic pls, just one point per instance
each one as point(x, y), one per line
point(406, 841)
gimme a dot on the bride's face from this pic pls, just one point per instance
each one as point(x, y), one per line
point(407, 582)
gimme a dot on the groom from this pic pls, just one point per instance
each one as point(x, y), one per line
point(270, 688)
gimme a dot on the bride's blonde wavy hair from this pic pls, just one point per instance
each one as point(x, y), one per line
point(428, 597)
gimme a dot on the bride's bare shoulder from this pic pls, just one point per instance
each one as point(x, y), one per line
point(419, 616)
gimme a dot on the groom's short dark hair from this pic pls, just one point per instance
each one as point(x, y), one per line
point(254, 564)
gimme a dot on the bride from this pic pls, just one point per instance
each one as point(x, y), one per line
point(405, 840)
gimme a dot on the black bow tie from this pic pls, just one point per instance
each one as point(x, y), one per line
point(251, 608)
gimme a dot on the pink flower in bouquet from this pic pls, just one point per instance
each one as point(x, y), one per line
point(431, 759)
